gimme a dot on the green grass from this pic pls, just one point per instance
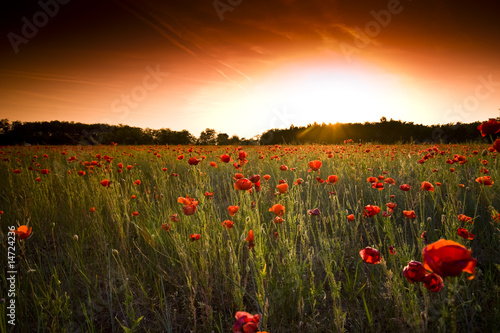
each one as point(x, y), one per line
point(108, 271)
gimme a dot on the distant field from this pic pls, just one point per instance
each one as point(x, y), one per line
point(112, 256)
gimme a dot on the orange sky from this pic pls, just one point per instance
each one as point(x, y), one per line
point(248, 66)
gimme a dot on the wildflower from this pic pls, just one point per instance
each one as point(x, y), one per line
point(371, 210)
point(405, 187)
point(350, 217)
point(194, 160)
point(370, 255)
point(315, 165)
point(314, 212)
point(194, 237)
point(371, 180)
point(213, 164)
point(489, 127)
point(332, 179)
point(298, 181)
point(243, 184)
point(23, 232)
point(391, 249)
point(250, 240)
point(266, 177)
point(485, 180)
point(278, 220)
point(465, 218)
point(496, 145)
point(165, 226)
point(409, 214)
point(105, 182)
point(225, 158)
point(414, 271)
point(92, 210)
point(245, 322)
point(282, 188)
point(433, 282)
point(426, 186)
point(135, 213)
point(283, 168)
point(232, 210)
point(228, 224)
point(209, 195)
point(390, 181)
point(44, 171)
point(189, 205)
point(462, 232)
point(391, 206)
point(137, 182)
point(448, 258)
point(81, 173)
point(277, 209)
point(378, 185)
point(174, 218)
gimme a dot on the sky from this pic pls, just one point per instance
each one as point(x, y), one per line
point(243, 67)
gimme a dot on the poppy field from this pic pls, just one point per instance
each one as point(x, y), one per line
point(312, 238)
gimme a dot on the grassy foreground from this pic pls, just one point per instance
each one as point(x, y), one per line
point(117, 269)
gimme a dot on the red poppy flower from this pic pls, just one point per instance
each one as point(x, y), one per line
point(465, 218)
point(120, 165)
point(282, 188)
point(371, 210)
point(194, 160)
point(23, 232)
point(462, 232)
point(209, 195)
point(496, 145)
point(189, 209)
point(250, 240)
point(405, 187)
point(174, 218)
point(414, 271)
point(189, 205)
point(243, 184)
point(135, 213)
point(298, 181)
point(137, 182)
point(426, 186)
point(92, 209)
point(105, 182)
point(278, 220)
point(409, 214)
point(433, 282)
point(232, 210)
point(225, 158)
point(489, 127)
point(165, 226)
point(238, 175)
point(391, 206)
point(38, 179)
point(391, 249)
point(44, 171)
point(266, 177)
point(448, 258)
point(17, 171)
point(485, 180)
point(283, 168)
point(314, 212)
point(277, 209)
point(129, 167)
point(370, 255)
point(350, 217)
point(371, 179)
point(332, 179)
point(228, 224)
point(180, 157)
point(213, 164)
point(315, 165)
point(81, 173)
point(254, 179)
point(245, 322)
point(378, 185)
point(194, 237)
point(390, 181)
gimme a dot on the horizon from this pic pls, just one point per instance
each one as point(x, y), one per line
point(244, 68)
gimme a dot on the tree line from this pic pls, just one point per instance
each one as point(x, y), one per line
point(386, 132)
